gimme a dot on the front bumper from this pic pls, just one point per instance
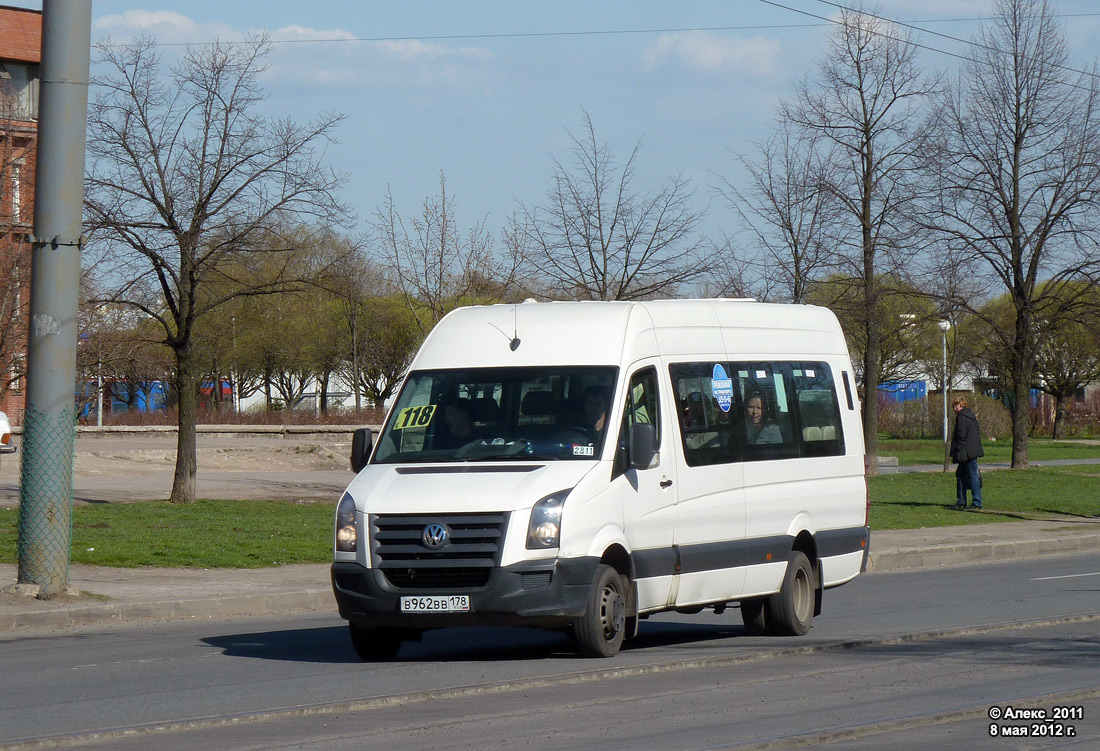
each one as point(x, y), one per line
point(545, 594)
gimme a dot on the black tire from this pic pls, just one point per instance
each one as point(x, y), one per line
point(790, 611)
point(753, 616)
point(600, 631)
point(375, 644)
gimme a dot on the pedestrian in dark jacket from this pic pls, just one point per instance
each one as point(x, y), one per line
point(966, 447)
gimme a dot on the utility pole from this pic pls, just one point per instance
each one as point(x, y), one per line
point(49, 427)
point(945, 326)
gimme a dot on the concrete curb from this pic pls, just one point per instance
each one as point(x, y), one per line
point(975, 553)
point(18, 619)
point(280, 603)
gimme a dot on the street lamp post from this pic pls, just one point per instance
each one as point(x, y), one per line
point(945, 326)
point(99, 383)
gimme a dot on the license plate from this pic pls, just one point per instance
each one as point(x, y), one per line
point(436, 604)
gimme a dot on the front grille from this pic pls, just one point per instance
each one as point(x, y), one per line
point(466, 561)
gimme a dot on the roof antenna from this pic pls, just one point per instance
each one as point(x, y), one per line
point(513, 343)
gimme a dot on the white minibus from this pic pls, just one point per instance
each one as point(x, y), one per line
point(584, 465)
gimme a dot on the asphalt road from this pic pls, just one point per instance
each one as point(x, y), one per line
point(896, 661)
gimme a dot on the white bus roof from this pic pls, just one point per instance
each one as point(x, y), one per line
point(616, 333)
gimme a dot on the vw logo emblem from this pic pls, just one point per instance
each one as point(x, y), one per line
point(434, 536)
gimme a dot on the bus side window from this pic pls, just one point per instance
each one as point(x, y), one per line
point(705, 429)
point(641, 408)
point(818, 410)
point(765, 415)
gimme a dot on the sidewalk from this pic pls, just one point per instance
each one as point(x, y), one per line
point(885, 467)
point(108, 595)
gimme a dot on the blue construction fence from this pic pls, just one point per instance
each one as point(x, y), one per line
point(896, 392)
point(120, 397)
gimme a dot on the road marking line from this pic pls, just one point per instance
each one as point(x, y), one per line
point(366, 704)
point(1067, 576)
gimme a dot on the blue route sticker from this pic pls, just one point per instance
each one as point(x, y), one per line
point(722, 387)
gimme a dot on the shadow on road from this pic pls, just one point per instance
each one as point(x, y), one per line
point(333, 645)
point(316, 645)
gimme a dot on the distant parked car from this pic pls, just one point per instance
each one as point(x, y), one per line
point(7, 443)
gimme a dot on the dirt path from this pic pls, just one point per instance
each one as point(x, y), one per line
point(137, 454)
point(140, 467)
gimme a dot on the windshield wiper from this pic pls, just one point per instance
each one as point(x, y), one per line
point(505, 457)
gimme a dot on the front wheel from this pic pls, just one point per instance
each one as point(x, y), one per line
point(600, 631)
point(375, 644)
point(790, 611)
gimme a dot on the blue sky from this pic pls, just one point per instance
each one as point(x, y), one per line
point(486, 90)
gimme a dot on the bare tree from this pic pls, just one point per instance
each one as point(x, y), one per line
point(378, 330)
point(731, 272)
point(16, 163)
point(272, 336)
point(595, 238)
point(1068, 353)
point(388, 348)
point(865, 101)
point(435, 267)
point(14, 278)
point(136, 367)
point(356, 279)
point(1067, 361)
point(185, 181)
point(118, 355)
point(909, 337)
point(1021, 178)
point(789, 210)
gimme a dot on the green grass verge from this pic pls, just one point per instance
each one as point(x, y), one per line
point(1038, 449)
point(254, 534)
point(925, 499)
point(205, 534)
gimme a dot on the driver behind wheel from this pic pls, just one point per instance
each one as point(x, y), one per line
point(595, 409)
point(458, 424)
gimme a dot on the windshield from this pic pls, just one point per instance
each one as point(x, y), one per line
point(499, 414)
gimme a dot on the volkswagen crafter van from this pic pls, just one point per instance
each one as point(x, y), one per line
point(584, 465)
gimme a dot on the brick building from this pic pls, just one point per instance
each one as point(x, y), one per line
point(20, 56)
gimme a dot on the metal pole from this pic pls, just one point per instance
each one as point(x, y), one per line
point(99, 384)
point(46, 490)
point(234, 373)
point(945, 385)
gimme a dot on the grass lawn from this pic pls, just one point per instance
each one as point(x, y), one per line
point(924, 499)
point(253, 534)
point(1038, 449)
point(205, 534)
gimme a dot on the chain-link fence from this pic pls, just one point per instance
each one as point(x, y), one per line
point(46, 499)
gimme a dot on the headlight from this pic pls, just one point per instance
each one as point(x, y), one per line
point(347, 536)
point(544, 530)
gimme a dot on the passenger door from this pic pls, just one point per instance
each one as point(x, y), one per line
point(710, 510)
point(649, 493)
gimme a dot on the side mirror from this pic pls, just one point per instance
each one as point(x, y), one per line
point(643, 445)
point(361, 444)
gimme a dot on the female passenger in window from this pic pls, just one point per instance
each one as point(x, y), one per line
point(757, 427)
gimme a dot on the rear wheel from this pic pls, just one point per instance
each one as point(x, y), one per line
point(752, 615)
point(375, 644)
point(790, 611)
point(600, 631)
